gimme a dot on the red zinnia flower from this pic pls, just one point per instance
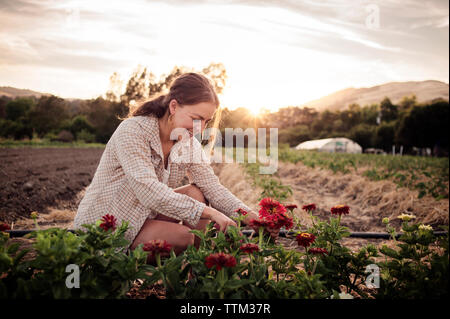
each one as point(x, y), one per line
point(305, 239)
point(318, 251)
point(309, 207)
point(257, 223)
point(291, 206)
point(270, 206)
point(240, 211)
point(249, 248)
point(220, 260)
point(158, 246)
point(4, 226)
point(340, 210)
point(109, 222)
point(280, 220)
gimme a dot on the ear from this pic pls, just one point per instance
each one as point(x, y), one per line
point(172, 106)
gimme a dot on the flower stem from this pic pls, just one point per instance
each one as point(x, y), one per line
point(158, 260)
point(314, 267)
point(221, 279)
point(261, 230)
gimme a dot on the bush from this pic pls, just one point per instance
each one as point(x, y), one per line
point(64, 136)
point(106, 269)
point(231, 265)
point(85, 136)
point(15, 130)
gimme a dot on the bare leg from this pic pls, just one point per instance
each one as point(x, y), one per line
point(169, 229)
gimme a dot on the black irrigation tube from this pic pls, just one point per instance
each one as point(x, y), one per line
point(283, 233)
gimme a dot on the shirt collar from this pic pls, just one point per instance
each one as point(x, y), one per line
point(150, 124)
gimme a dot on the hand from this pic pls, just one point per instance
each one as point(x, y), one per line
point(251, 215)
point(274, 232)
point(220, 219)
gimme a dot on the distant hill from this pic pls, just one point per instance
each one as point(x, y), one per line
point(395, 91)
point(13, 92)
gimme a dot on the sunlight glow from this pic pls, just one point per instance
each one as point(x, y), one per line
point(274, 57)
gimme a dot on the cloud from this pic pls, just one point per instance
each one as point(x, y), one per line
point(100, 37)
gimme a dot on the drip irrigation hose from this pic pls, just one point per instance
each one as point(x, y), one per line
point(283, 233)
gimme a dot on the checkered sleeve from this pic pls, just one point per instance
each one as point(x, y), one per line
point(133, 152)
point(202, 174)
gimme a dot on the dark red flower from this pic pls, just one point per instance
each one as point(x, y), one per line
point(257, 223)
point(309, 207)
point(340, 210)
point(240, 211)
point(291, 207)
point(220, 260)
point(305, 239)
point(318, 251)
point(249, 248)
point(109, 222)
point(280, 220)
point(4, 226)
point(158, 246)
point(270, 206)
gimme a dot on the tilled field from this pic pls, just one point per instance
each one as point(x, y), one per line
point(35, 179)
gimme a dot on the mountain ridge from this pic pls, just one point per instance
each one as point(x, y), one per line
point(423, 90)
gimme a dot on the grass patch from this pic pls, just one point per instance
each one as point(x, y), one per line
point(41, 143)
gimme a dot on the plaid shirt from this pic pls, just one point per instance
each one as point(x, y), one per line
point(128, 182)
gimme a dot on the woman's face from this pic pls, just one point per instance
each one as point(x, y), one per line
point(185, 115)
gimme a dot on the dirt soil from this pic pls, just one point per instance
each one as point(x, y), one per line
point(52, 181)
point(36, 179)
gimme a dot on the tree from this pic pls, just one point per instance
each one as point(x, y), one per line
point(103, 116)
point(369, 114)
point(425, 126)
point(78, 124)
point(363, 134)
point(294, 135)
point(407, 103)
point(389, 111)
point(48, 114)
point(218, 74)
point(18, 108)
point(115, 88)
point(385, 136)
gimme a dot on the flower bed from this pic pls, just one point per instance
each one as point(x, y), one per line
point(231, 265)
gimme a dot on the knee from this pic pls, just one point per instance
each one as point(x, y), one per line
point(184, 240)
point(196, 193)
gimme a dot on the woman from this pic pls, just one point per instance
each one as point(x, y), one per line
point(140, 168)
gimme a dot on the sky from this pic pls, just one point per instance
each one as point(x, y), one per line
point(276, 53)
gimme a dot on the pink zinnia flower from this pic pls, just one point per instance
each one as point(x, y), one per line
point(109, 222)
point(220, 260)
point(249, 248)
point(340, 210)
point(158, 246)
